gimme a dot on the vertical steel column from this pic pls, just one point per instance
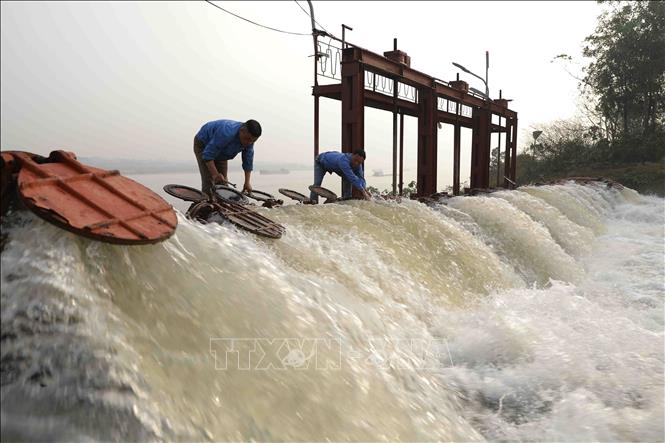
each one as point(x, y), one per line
point(456, 151)
point(427, 134)
point(508, 160)
point(474, 179)
point(498, 157)
point(395, 83)
point(401, 152)
point(513, 163)
point(316, 79)
point(353, 103)
point(480, 150)
point(316, 125)
point(395, 91)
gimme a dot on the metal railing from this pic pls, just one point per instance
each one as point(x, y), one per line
point(329, 60)
point(446, 105)
point(329, 65)
point(385, 85)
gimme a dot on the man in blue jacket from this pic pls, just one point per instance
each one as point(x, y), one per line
point(346, 165)
point(219, 141)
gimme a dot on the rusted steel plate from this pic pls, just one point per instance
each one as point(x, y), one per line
point(93, 202)
point(185, 193)
point(252, 221)
point(237, 214)
point(268, 200)
point(293, 195)
point(323, 192)
point(229, 193)
point(260, 196)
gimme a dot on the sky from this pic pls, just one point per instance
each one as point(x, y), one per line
point(136, 80)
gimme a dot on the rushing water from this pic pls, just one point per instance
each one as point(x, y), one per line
point(534, 314)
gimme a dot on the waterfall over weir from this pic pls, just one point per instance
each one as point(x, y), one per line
point(534, 314)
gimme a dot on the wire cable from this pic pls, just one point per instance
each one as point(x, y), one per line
point(303, 10)
point(254, 23)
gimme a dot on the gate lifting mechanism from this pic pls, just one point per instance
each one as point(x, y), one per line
point(330, 196)
point(91, 202)
point(225, 205)
point(362, 78)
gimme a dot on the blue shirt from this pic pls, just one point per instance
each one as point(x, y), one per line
point(340, 164)
point(222, 142)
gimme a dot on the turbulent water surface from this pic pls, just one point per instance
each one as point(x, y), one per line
point(534, 314)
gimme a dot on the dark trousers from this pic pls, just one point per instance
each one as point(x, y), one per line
point(206, 179)
point(319, 173)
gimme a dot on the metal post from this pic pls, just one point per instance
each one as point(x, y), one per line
point(314, 38)
point(316, 126)
point(395, 137)
point(353, 103)
point(513, 163)
point(456, 147)
point(487, 69)
point(498, 157)
point(427, 134)
point(395, 85)
point(344, 28)
point(316, 82)
point(456, 150)
point(507, 161)
point(401, 152)
point(480, 149)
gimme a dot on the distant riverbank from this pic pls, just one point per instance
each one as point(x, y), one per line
point(646, 178)
point(156, 166)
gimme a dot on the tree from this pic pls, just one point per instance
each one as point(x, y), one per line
point(623, 104)
point(627, 75)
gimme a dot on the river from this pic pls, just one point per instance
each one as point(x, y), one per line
point(534, 314)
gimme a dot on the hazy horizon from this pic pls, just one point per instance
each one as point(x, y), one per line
point(137, 80)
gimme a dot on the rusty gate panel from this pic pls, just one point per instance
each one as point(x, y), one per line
point(92, 202)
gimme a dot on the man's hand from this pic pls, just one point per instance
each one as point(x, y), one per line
point(247, 187)
point(220, 179)
point(367, 195)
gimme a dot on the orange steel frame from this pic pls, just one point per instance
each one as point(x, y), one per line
point(356, 62)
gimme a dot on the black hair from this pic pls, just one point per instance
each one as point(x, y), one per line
point(360, 152)
point(253, 127)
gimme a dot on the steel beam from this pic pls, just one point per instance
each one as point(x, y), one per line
point(316, 126)
point(456, 157)
point(498, 158)
point(427, 135)
point(395, 137)
point(333, 91)
point(377, 63)
point(353, 107)
point(513, 164)
point(508, 159)
point(401, 152)
point(469, 100)
point(384, 102)
point(480, 149)
point(354, 97)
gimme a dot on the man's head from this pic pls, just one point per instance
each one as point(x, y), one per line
point(358, 158)
point(249, 132)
